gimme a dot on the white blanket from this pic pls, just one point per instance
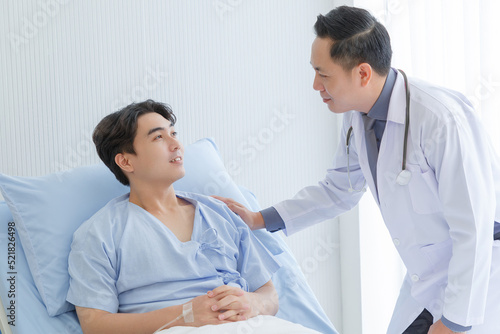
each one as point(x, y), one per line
point(261, 324)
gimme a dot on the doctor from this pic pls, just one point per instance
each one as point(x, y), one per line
point(423, 153)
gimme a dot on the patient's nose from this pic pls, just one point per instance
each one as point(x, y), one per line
point(175, 145)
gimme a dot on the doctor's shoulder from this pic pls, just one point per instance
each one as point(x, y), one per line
point(436, 103)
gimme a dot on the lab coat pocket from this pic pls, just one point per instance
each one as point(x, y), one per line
point(438, 255)
point(423, 191)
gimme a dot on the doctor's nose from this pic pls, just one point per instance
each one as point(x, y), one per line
point(317, 85)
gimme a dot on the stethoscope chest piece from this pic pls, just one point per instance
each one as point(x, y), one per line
point(403, 177)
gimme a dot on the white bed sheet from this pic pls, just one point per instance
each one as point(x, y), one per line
point(260, 324)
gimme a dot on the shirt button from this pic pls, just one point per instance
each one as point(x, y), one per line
point(396, 242)
point(415, 278)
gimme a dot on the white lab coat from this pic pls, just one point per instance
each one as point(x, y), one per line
point(442, 221)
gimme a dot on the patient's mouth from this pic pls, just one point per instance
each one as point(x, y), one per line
point(176, 159)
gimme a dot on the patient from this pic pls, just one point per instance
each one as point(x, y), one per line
point(138, 262)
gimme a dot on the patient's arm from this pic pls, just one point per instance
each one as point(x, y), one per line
point(254, 220)
point(242, 305)
point(94, 321)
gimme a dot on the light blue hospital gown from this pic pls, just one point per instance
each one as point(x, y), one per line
point(123, 259)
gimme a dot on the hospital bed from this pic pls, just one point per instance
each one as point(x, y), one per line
point(40, 214)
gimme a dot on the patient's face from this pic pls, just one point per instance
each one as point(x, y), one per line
point(159, 154)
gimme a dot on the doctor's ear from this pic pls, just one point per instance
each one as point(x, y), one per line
point(364, 72)
point(124, 163)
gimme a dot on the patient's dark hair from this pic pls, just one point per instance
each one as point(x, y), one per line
point(115, 133)
point(357, 38)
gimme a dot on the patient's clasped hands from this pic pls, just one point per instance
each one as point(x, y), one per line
point(222, 305)
point(233, 303)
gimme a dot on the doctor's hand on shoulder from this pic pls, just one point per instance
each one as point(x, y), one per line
point(254, 220)
point(440, 328)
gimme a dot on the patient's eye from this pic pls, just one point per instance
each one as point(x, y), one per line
point(158, 137)
point(174, 134)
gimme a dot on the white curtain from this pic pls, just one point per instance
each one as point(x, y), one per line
point(453, 43)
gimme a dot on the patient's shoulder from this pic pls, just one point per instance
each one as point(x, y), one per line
point(200, 198)
point(106, 219)
point(212, 206)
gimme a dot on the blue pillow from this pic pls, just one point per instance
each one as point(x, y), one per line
point(48, 209)
point(30, 314)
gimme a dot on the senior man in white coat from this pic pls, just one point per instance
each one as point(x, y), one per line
point(430, 166)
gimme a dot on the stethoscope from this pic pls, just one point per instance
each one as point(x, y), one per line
point(404, 176)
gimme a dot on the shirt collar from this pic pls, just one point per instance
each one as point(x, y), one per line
point(381, 106)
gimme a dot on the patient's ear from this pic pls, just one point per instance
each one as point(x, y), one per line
point(124, 163)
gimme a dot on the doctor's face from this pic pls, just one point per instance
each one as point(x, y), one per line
point(336, 86)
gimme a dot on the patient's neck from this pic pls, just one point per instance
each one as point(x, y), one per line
point(154, 199)
point(175, 213)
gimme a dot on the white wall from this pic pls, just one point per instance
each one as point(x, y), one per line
point(234, 70)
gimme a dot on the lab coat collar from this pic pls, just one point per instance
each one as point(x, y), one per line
point(396, 114)
point(397, 104)
point(380, 108)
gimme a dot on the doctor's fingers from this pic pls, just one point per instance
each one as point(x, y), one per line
point(226, 200)
point(236, 207)
point(254, 220)
point(439, 328)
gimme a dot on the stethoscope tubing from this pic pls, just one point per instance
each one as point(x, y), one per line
point(404, 176)
point(407, 120)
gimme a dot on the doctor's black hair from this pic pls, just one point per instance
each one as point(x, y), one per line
point(357, 38)
point(116, 132)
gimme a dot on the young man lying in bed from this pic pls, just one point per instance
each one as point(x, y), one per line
point(150, 255)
